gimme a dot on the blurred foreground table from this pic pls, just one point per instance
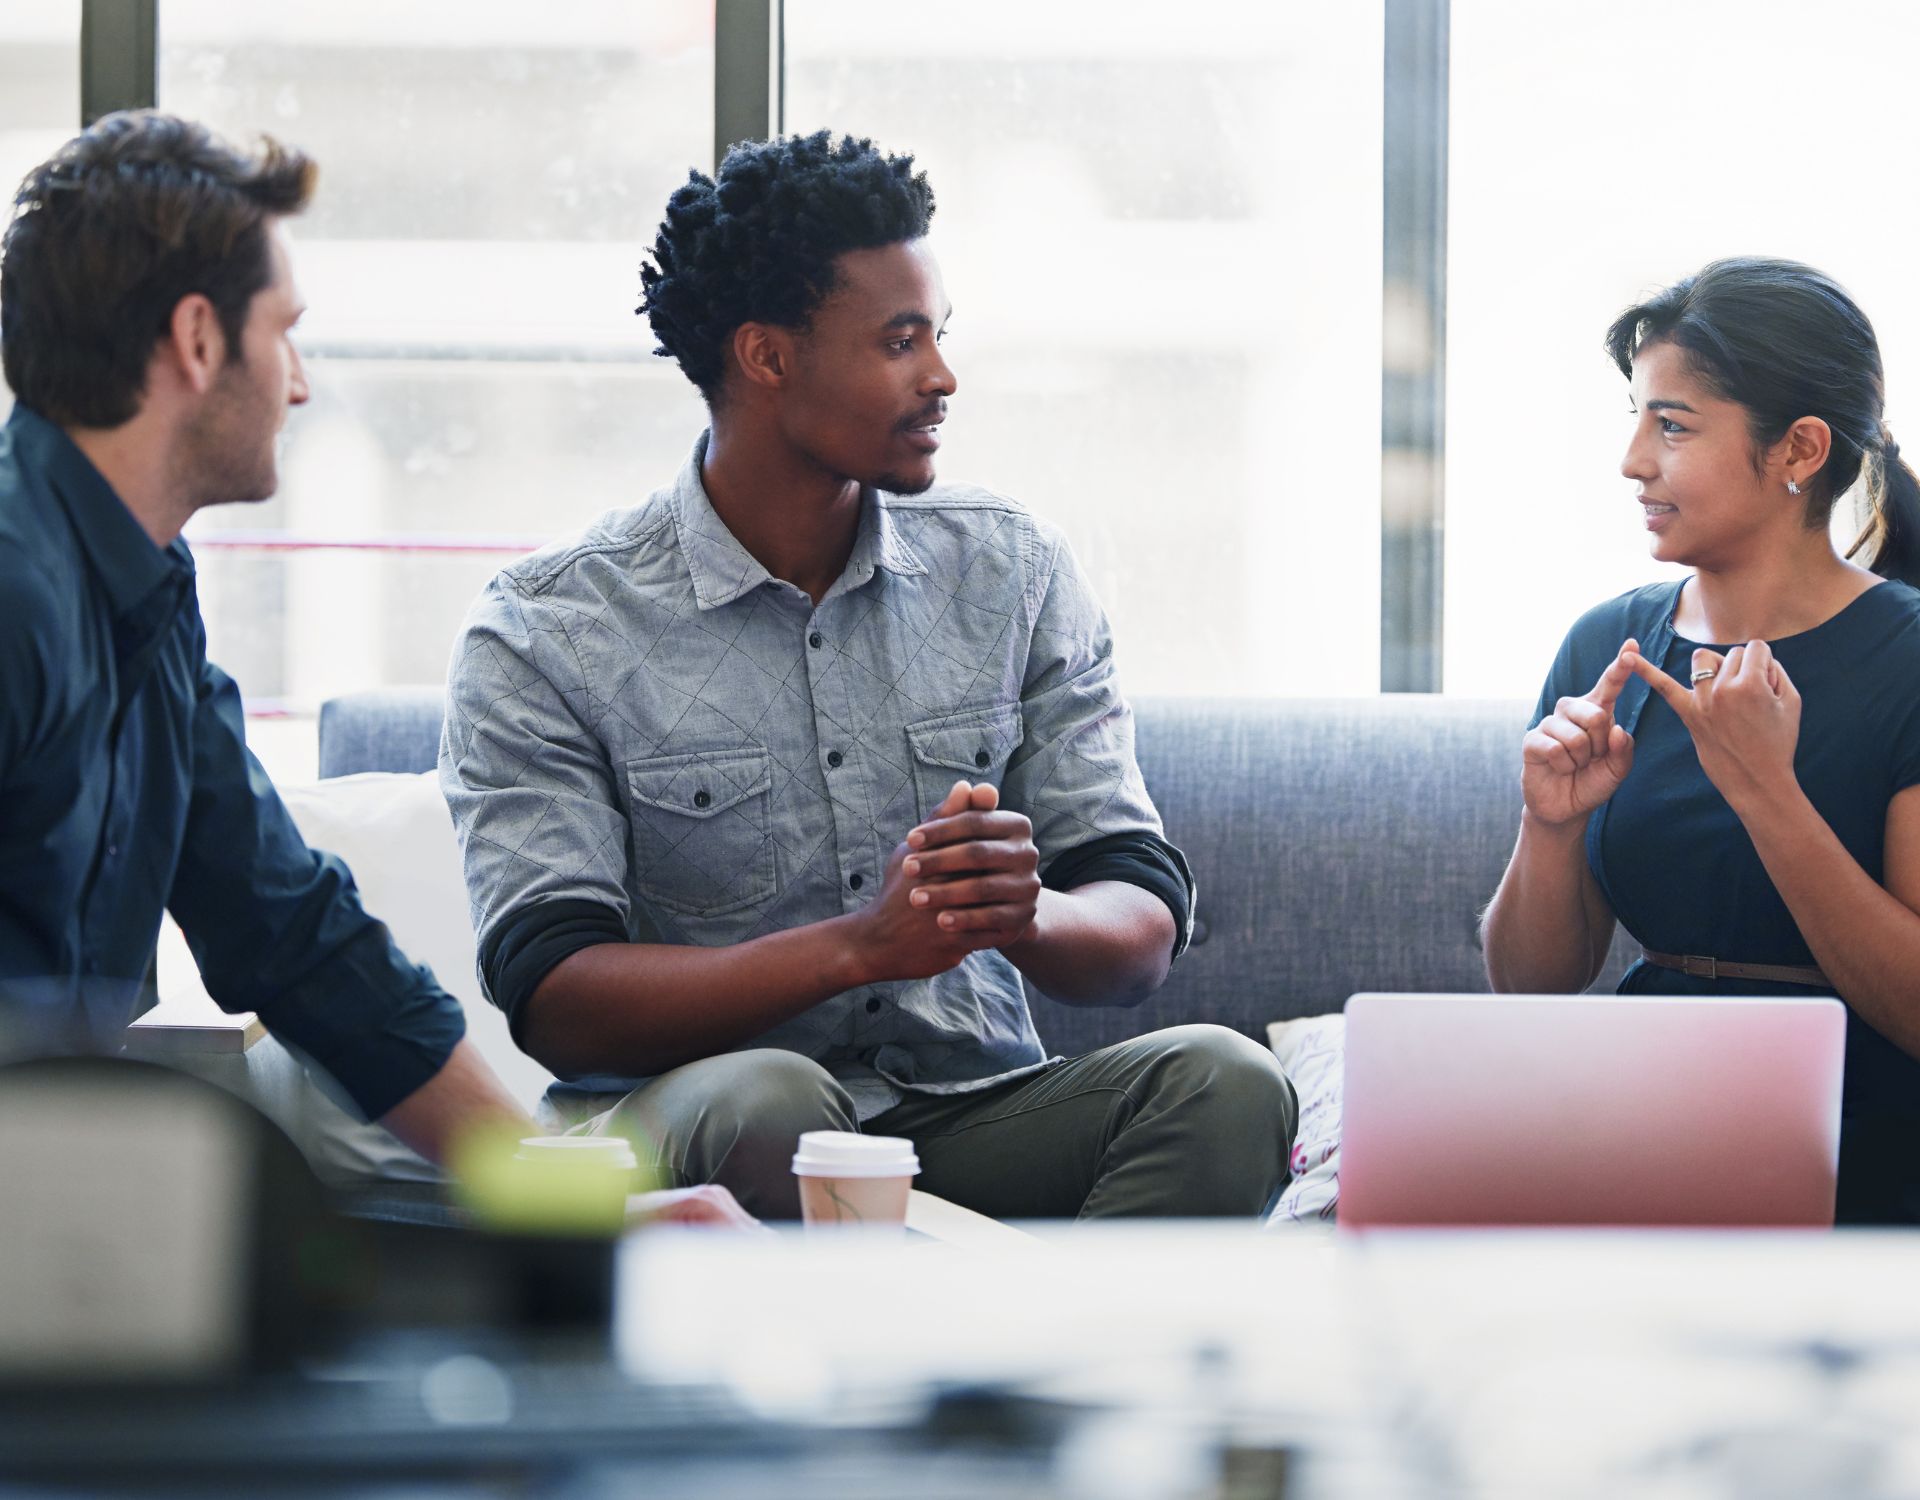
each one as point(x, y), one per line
point(1570, 1363)
point(1101, 1363)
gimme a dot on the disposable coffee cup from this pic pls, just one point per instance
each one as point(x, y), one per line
point(850, 1179)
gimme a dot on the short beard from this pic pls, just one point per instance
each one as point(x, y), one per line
point(894, 484)
point(225, 458)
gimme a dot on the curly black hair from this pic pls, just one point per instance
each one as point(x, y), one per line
point(759, 245)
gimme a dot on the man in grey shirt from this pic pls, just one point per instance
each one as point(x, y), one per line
point(773, 788)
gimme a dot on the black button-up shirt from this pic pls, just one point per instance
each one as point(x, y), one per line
point(126, 786)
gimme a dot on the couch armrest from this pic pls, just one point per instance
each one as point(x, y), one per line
point(181, 1028)
point(186, 1022)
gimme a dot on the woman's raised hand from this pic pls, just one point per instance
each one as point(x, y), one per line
point(1574, 758)
point(1743, 712)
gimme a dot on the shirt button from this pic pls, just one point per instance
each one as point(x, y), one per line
point(856, 881)
point(113, 851)
point(981, 759)
point(834, 757)
point(701, 799)
point(873, 1004)
point(816, 640)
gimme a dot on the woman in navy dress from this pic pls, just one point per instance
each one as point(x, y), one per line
point(1728, 764)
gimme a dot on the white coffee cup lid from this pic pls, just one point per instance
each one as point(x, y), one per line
point(842, 1153)
point(585, 1150)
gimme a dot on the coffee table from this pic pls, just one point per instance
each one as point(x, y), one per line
point(1571, 1363)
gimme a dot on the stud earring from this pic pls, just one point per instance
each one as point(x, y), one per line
point(1792, 488)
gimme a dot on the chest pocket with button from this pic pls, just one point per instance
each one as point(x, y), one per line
point(972, 745)
point(701, 840)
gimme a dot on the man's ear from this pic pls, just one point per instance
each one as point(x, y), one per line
point(764, 354)
point(194, 343)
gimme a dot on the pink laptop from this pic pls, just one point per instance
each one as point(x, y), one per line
point(1588, 1109)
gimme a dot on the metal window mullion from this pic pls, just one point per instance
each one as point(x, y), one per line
point(118, 56)
point(749, 72)
point(1413, 402)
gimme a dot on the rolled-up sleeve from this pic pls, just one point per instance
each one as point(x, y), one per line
point(542, 833)
point(278, 928)
point(1074, 775)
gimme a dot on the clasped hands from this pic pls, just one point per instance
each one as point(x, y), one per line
point(966, 879)
point(1742, 710)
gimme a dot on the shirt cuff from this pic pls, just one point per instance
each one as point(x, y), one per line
point(1142, 859)
point(531, 943)
point(379, 1025)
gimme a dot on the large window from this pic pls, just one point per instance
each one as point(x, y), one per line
point(1161, 235)
point(1125, 220)
point(1162, 229)
point(1599, 152)
point(489, 174)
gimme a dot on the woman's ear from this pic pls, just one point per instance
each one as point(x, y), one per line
point(1802, 452)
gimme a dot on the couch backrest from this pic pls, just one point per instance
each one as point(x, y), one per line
point(1339, 844)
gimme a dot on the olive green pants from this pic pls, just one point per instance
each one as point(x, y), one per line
point(1193, 1121)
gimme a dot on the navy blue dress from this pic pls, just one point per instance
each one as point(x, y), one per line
point(1682, 875)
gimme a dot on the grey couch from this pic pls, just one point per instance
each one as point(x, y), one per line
point(1339, 844)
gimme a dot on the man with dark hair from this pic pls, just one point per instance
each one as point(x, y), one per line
point(773, 789)
point(147, 307)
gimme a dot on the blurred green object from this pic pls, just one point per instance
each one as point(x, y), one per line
point(563, 1185)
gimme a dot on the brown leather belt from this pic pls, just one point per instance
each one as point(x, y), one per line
point(1718, 968)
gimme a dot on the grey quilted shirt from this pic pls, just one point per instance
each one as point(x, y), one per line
point(645, 719)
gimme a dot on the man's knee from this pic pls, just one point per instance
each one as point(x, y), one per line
point(764, 1099)
point(736, 1118)
point(1235, 1084)
point(1208, 1131)
point(770, 1090)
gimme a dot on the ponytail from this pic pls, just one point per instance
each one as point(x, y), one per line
point(1892, 534)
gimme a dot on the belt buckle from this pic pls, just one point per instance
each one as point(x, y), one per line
point(1700, 965)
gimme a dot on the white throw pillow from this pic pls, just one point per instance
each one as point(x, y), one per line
point(1313, 1050)
point(393, 831)
point(395, 834)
